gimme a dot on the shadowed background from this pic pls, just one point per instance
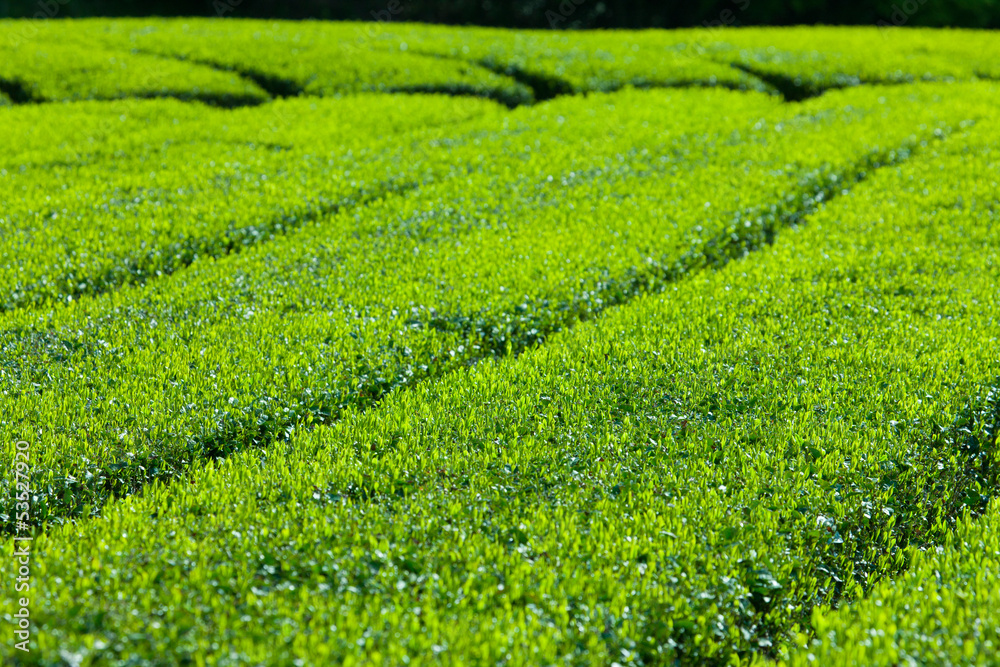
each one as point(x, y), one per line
point(560, 14)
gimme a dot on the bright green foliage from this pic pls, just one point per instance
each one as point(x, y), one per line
point(173, 57)
point(326, 59)
point(807, 61)
point(942, 611)
point(638, 376)
point(291, 58)
point(142, 188)
point(311, 303)
point(59, 67)
point(557, 63)
point(232, 353)
point(798, 61)
point(682, 479)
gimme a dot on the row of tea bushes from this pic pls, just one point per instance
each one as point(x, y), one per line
point(681, 481)
point(798, 62)
point(61, 67)
point(229, 63)
point(327, 58)
point(565, 210)
point(941, 611)
point(808, 61)
point(246, 62)
point(108, 194)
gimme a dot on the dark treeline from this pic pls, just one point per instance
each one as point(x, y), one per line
point(562, 14)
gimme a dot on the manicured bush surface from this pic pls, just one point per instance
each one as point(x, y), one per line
point(682, 479)
point(408, 286)
point(234, 62)
point(140, 189)
point(807, 61)
point(621, 375)
point(941, 611)
point(799, 62)
point(57, 67)
point(281, 59)
point(324, 59)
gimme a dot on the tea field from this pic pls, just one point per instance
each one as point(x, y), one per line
point(332, 343)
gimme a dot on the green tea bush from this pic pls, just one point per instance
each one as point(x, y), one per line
point(617, 376)
point(57, 67)
point(121, 199)
point(798, 62)
point(681, 481)
point(243, 62)
point(807, 61)
point(318, 58)
point(304, 58)
point(231, 353)
point(941, 611)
